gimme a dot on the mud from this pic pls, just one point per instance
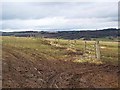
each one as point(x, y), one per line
point(22, 70)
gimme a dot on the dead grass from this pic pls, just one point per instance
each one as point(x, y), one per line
point(36, 63)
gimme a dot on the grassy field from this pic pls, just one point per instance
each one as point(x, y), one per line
point(61, 49)
point(55, 57)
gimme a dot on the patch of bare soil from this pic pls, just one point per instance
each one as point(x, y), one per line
point(22, 70)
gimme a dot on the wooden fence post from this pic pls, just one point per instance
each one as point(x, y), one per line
point(58, 40)
point(85, 46)
point(97, 50)
point(70, 43)
point(74, 41)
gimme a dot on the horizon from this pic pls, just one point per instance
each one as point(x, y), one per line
point(60, 30)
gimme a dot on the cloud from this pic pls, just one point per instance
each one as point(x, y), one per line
point(62, 15)
point(68, 10)
point(60, 1)
point(59, 23)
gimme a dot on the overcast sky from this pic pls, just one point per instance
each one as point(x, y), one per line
point(51, 16)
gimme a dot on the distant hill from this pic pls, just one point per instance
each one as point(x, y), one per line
point(112, 32)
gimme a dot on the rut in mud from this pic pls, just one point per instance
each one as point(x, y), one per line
point(22, 70)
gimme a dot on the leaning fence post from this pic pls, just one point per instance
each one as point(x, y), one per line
point(97, 50)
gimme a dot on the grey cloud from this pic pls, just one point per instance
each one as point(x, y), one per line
point(102, 14)
point(67, 10)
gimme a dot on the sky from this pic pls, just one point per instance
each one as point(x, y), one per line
point(58, 16)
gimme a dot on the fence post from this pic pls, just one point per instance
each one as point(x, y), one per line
point(74, 41)
point(97, 50)
point(58, 39)
point(70, 43)
point(85, 46)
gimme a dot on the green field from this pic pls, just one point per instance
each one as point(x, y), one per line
point(64, 49)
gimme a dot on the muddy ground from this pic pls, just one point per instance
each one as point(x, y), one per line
point(20, 70)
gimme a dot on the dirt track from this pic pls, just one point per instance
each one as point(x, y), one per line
point(22, 70)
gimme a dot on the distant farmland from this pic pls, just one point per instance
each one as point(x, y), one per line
point(106, 34)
